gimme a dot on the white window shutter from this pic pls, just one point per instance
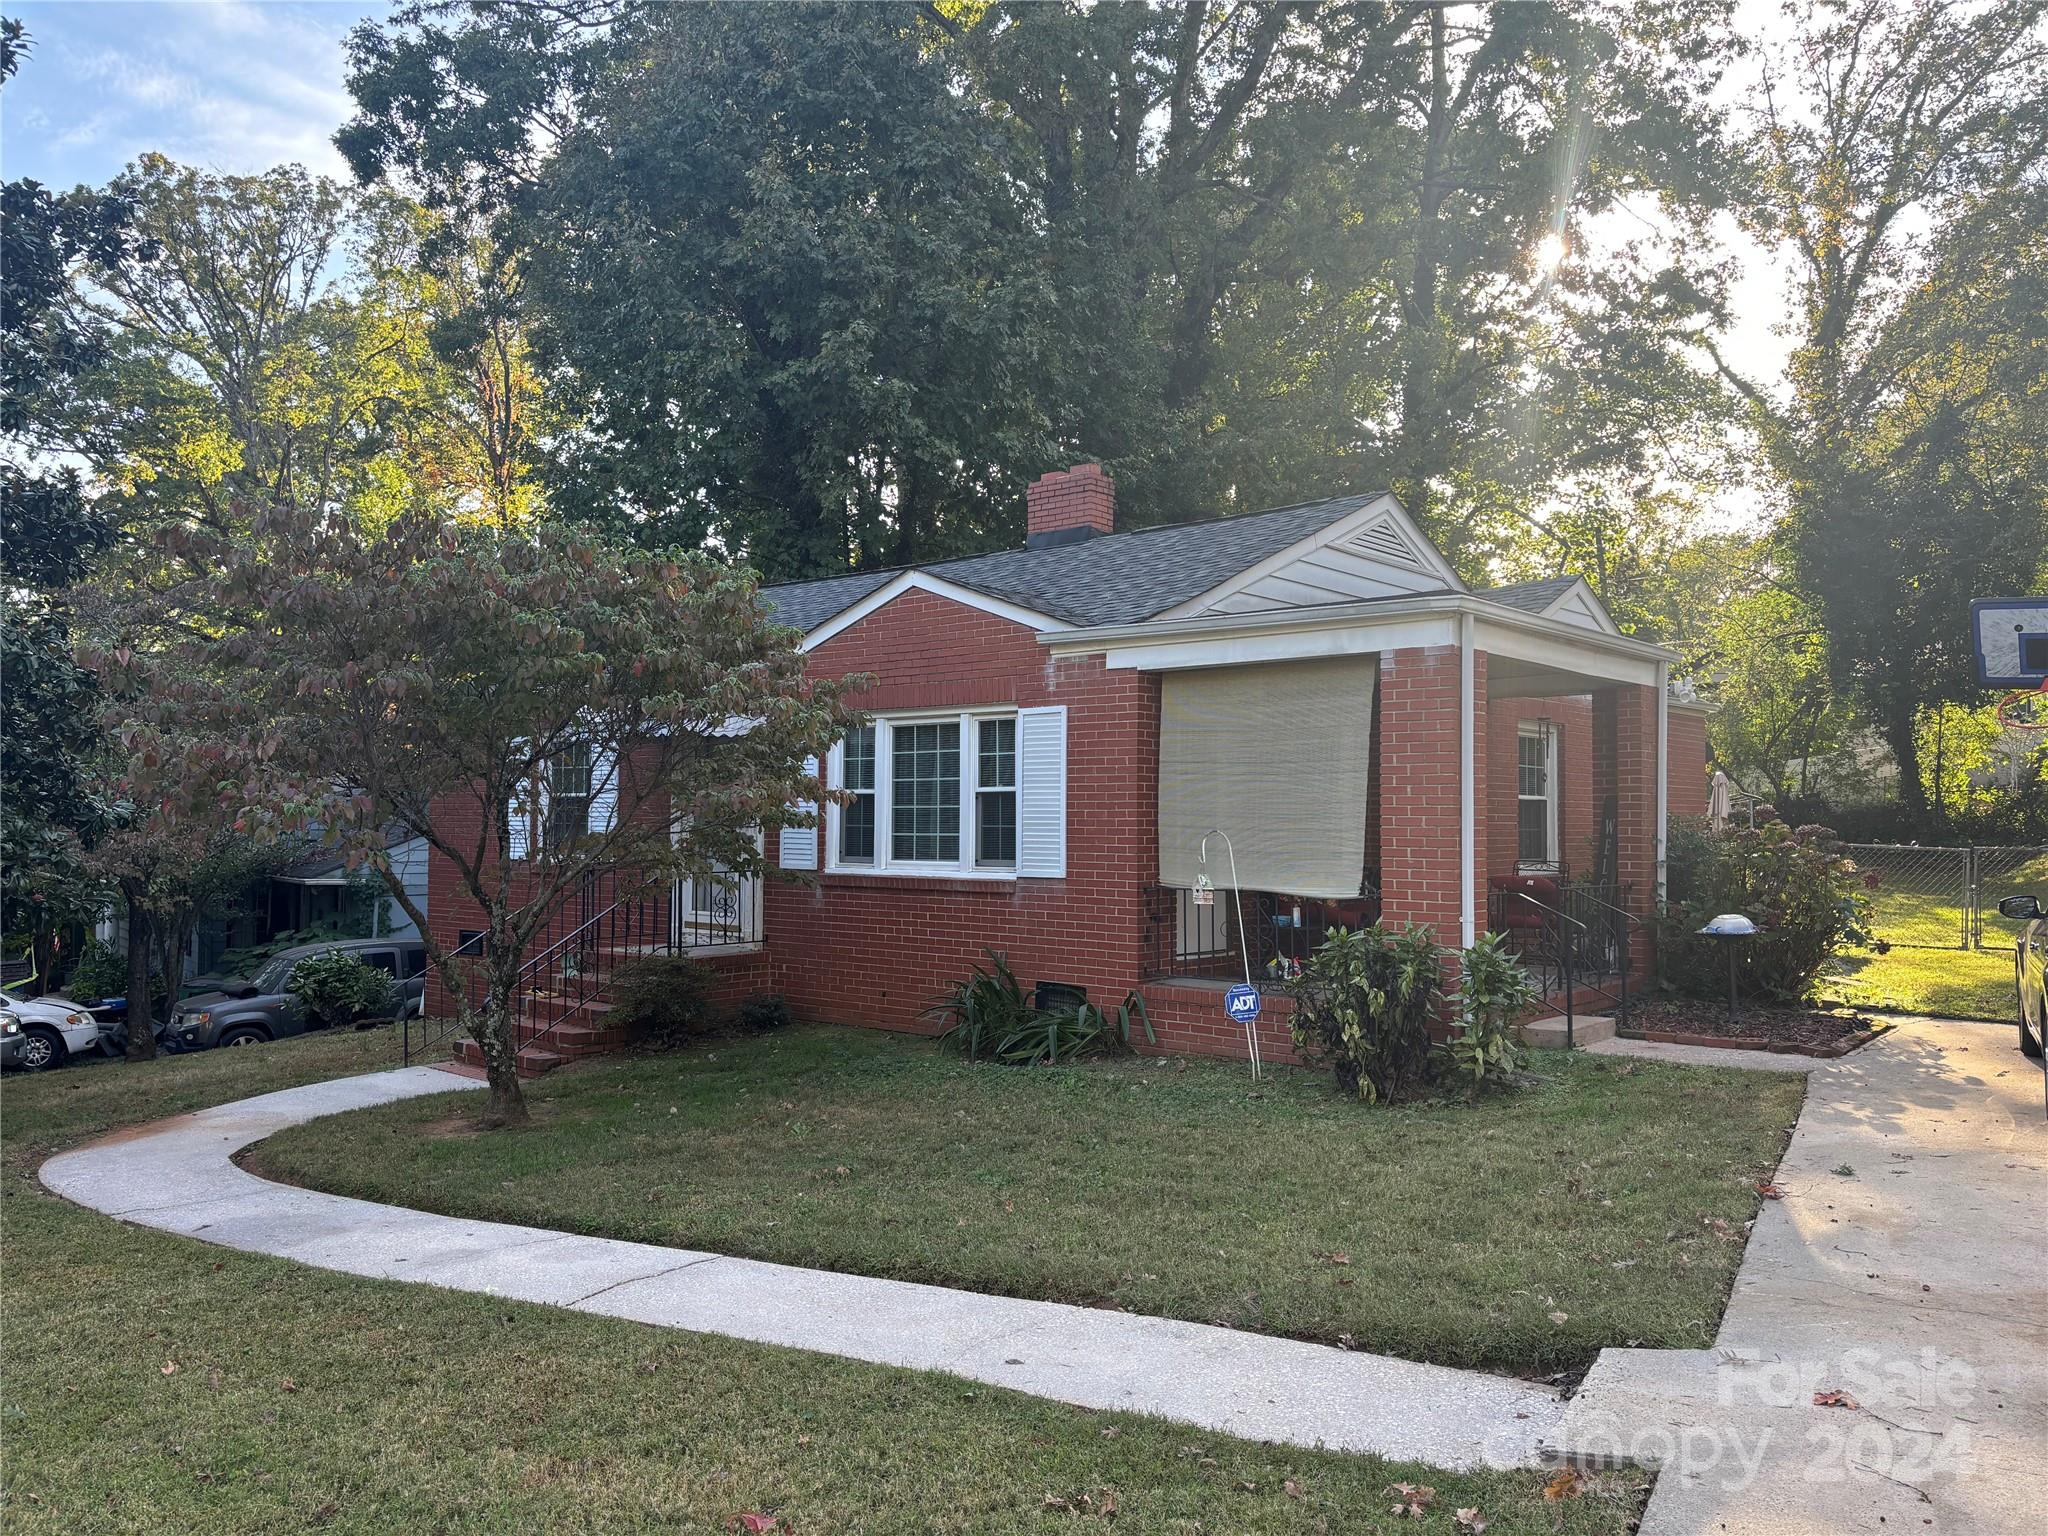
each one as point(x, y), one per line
point(800, 844)
point(1042, 793)
point(604, 790)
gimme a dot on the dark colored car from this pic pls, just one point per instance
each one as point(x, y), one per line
point(2030, 956)
point(263, 1008)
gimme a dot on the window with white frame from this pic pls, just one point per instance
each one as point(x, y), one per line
point(569, 792)
point(857, 815)
point(967, 792)
point(1536, 797)
point(995, 795)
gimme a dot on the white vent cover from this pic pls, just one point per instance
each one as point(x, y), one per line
point(1384, 542)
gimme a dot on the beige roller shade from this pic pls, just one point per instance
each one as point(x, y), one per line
point(1278, 756)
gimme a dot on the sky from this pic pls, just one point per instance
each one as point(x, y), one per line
point(242, 85)
point(233, 85)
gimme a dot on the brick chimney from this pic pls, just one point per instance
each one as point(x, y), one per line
point(1069, 505)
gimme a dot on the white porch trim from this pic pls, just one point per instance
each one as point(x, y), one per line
point(1576, 653)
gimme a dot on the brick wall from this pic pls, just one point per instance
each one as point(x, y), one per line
point(1688, 781)
point(1419, 791)
point(875, 949)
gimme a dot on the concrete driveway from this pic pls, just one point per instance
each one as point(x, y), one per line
point(1903, 1280)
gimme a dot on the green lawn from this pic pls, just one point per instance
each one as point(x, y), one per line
point(1949, 983)
point(153, 1384)
point(1520, 1234)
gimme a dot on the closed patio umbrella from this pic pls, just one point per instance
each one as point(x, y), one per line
point(1720, 801)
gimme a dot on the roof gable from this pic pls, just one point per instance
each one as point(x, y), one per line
point(1374, 551)
point(1577, 605)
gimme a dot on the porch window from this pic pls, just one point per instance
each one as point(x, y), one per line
point(1536, 797)
point(857, 816)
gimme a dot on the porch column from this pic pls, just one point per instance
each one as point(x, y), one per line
point(1639, 798)
point(1431, 870)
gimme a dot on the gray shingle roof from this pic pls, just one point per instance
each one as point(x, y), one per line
point(1118, 578)
point(1531, 596)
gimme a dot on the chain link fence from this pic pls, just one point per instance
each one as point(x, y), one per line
point(1940, 898)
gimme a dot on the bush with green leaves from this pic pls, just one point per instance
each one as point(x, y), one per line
point(1806, 896)
point(664, 999)
point(988, 1018)
point(1494, 992)
point(99, 971)
point(1363, 1006)
point(337, 988)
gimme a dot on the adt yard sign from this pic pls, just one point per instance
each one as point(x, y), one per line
point(1241, 1002)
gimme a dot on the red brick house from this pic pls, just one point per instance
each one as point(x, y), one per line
point(1058, 729)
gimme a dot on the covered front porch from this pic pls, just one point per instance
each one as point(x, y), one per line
point(1444, 760)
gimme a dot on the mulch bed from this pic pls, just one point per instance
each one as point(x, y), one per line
point(1820, 1031)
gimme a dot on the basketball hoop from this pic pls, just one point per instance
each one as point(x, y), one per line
point(2025, 709)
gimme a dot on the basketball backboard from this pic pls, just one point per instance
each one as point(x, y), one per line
point(2010, 635)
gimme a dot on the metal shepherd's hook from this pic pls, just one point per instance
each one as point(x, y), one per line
point(1251, 1031)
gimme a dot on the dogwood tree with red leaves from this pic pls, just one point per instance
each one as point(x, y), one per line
point(428, 675)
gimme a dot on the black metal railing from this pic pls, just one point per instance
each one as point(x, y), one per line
point(1546, 938)
point(1186, 939)
point(609, 920)
point(1574, 935)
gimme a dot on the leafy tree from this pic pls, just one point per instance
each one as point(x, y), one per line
point(1910, 440)
point(878, 262)
point(50, 529)
point(427, 673)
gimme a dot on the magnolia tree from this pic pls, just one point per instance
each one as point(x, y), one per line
point(428, 675)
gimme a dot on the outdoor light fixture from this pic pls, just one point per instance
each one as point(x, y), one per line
point(1729, 928)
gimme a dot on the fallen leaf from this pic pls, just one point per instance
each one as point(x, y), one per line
point(753, 1523)
point(1567, 1484)
point(1833, 1398)
point(170, 1368)
point(288, 1385)
point(1414, 1498)
point(1771, 1191)
point(1560, 1317)
point(1293, 1488)
point(1471, 1520)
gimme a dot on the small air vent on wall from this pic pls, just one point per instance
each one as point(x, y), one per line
point(1383, 541)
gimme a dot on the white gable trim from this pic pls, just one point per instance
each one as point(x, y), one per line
point(1577, 605)
point(938, 586)
point(1380, 532)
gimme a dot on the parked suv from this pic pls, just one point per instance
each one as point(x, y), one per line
point(262, 1008)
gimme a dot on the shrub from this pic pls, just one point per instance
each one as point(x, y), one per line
point(98, 972)
point(985, 1007)
point(1494, 991)
point(1805, 895)
point(337, 988)
point(1364, 1005)
point(665, 999)
point(988, 1019)
point(757, 1015)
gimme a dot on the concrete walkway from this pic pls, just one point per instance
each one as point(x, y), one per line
point(1906, 1267)
point(176, 1176)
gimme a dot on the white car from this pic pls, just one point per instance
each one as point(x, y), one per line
point(53, 1029)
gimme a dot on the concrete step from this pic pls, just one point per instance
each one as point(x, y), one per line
point(1548, 1034)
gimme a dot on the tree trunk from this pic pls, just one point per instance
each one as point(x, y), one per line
point(1900, 736)
point(141, 1036)
point(498, 1040)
